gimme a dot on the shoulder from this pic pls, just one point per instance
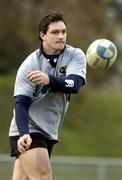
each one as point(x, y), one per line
point(31, 60)
point(31, 57)
point(74, 51)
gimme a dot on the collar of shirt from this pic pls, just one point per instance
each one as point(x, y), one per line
point(52, 59)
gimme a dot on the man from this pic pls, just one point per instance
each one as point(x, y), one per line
point(43, 86)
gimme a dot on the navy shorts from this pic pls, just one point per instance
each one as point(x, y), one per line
point(38, 140)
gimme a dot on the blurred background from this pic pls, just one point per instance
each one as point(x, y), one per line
point(93, 124)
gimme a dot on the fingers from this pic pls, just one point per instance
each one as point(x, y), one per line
point(21, 146)
point(24, 143)
point(38, 78)
point(28, 142)
point(33, 75)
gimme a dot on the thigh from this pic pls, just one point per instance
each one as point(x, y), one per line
point(36, 164)
point(18, 172)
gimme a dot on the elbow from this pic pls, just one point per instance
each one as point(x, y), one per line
point(75, 90)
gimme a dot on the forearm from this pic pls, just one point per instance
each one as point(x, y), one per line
point(68, 84)
point(64, 84)
point(22, 104)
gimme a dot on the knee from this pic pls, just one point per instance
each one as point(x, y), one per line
point(47, 176)
point(42, 176)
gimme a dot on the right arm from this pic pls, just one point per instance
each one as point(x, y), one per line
point(22, 104)
point(23, 93)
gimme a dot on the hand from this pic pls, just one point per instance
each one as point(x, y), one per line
point(38, 78)
point(24, 143)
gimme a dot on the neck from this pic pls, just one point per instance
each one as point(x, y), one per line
point(50, 51)
point(51, 55)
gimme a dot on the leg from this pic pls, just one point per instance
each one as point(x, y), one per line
point(36, 164)
point(18, 172)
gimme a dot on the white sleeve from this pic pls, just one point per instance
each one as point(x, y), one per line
point(78, 64)
point(23, 86)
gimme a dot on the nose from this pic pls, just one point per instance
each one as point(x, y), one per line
point(61, 36)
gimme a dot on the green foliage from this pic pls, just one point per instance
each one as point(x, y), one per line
point(6, 104)
point(92, 125)
point(86, 21)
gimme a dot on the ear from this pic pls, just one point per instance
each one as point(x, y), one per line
point(41, 35)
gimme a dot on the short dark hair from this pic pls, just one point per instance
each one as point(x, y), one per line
point(49, 18)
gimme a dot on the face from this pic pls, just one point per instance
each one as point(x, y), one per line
point(55, 38)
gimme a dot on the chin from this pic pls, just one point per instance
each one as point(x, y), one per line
point(60, 48)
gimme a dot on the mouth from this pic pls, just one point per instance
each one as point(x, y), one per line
point(60, 42)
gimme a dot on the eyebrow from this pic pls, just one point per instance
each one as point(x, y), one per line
point(65, 29)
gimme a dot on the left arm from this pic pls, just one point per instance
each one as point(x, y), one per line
point(71, 83)
point(64, 84)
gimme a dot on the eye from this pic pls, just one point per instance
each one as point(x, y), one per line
point(64, 31)
point(55, 32)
